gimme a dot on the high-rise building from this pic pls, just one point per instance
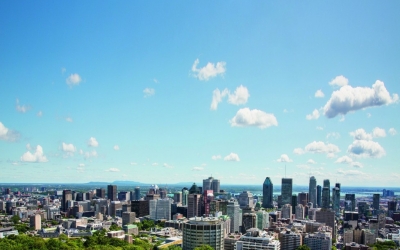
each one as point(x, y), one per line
point(302, 199)
point(124, 196)
point(66, 196)
point(114, 206)
point(375, 202)
point(185, 194)
point(112, 192)
point(137, 194)
point(211, 184)
point(268, 189)
point(233, 211)
point(249, 221)
point(36, 221)
point(163, 193)
point(216, 186)
point(299, 212)
point(256, 239)
point(194, 205)
point(246, 200)
point(312, 191)
point(178, 197)
point(203, 231)
point(160, 209)
point(294, 203)
point(101, 193)
point(262, 219)
point(350, 202)
point(336, 198)
point(286, 191)
point(290, 240)
point(286, 211)
point(318, 241)
point(208, 196)
point(140, 207)
point(128, 218)
point(326, 199)
point(327, 216)
point(319, 195)
point(363, 208)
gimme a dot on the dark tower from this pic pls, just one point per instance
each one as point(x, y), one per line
point(112, 192)
point(268, 193)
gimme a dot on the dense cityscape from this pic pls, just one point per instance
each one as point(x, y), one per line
point(198, 217)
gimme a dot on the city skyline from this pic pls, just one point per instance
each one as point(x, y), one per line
point(176, 92)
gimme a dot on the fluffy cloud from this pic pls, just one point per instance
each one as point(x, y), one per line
point(91, 154)
point(69, 148)
point(364, 148)
point(39, 114)
point(7, 134)
point(216, 157)
point(81, 165)
point(73, 79)
point(319, 94)
point(348, 99)
point(313, 116)
point(113, 170)
point(311, 161)
point(209, 71)
point(165, 165)
point(284, 158)
point(69, 119)
point(246, 117)
point(21, 108)
point(319, 148)
point(344, 159)
point(392, 131)
point(36, 156)
point(148, 92)
point(333, 135)
point(92, 142)
point(116, 147)
point(240, 96)
point(155, 164)
point(339, 81)
point(378, 132)
point(232, 157)
point(197, 168)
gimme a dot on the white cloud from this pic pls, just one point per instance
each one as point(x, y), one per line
point(92, 142)
point(348, 99)
point(392, 131)
point(69, 119)
point(320, 148)
point(284, 158)
point(246, 117)
point(148, 92)
point(133, 163)
point(298, 151)
point(165, 165)
point(216, 157)
point(39, 114)
point(350, 172)
point(69, 148)
point(113, 170)
point(73, 79)
point(378, 132)
point(311, 161)
point(217, 97)
point(232, 157)
point(81, 165)
point(91, 154)
point(21, 108)
point(8, 134)
point(339, 81)
point(360, 134)
point(344, 160)
point(197, 168)
point(357, 164)
point(313, 116)
point(155, 164)
point(209, 71)
point(155, 80)
point(319, 94)
point(36, 156)
point(240, 96)
point(333, 135)
point(364, 148)
point(116, 147)
point(320, 128)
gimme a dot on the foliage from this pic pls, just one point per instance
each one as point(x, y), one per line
point(334, 248)
point(15, 219)
point(384, 245)
point(174, 247)
point(98, 241)
point(115, 227)
point(303, 247)
point(145, 225)
point(204, 247)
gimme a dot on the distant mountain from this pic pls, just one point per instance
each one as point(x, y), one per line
point(129, 183)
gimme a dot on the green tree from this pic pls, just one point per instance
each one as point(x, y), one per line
point(115, 227)
point(174, 247)
point(204, 247)
point(334, 248)
point(15, 219)
point(303, 247)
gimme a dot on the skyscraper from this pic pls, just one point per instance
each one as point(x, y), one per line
point(203, 231)
point(268, 193)
point(326, 194)
point(211, 184)
point(101, 193)
point(376, 200)
point(185, 194)
point(350, 202)
point(194, 205)
point(112, 192)
point(137, 193)
point(66, 196)
point(233, 212)
point(312, 191)
point(286, 190)
point(303, 199)
point(319, 191)
point(336, 198)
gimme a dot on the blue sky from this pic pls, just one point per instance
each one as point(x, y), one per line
point(167, 92)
